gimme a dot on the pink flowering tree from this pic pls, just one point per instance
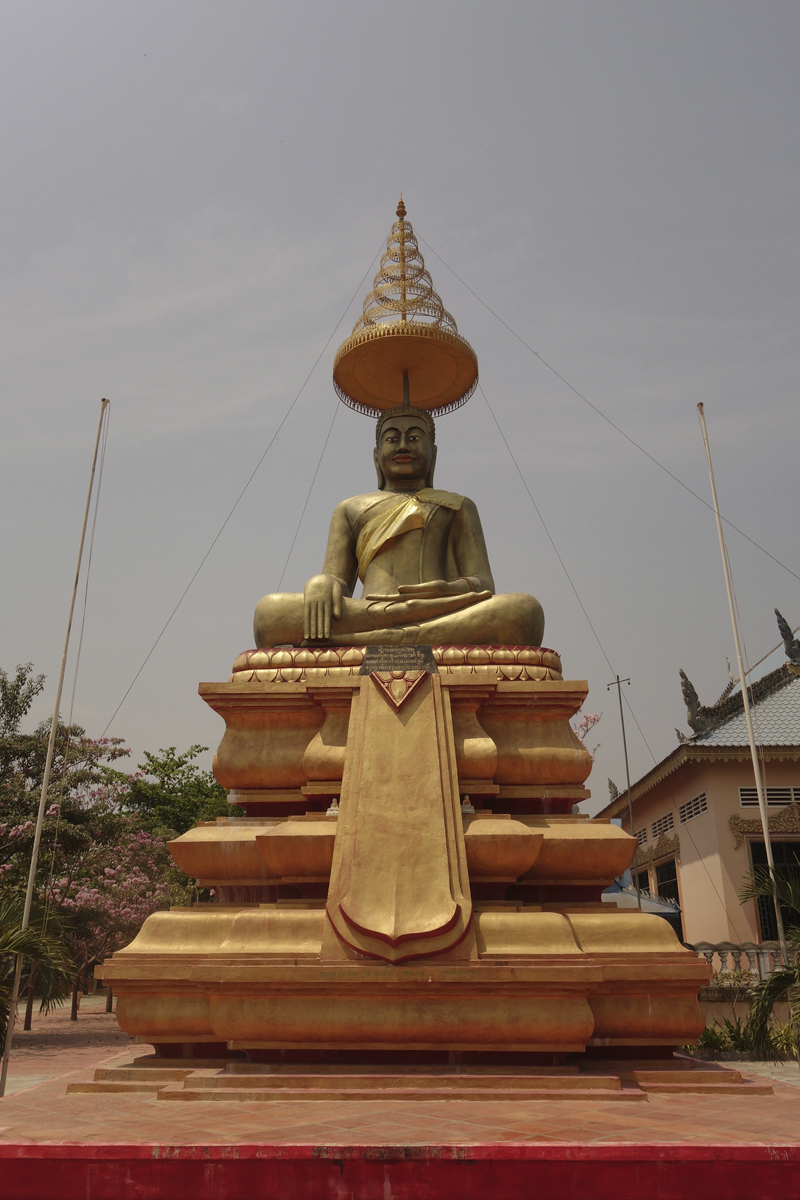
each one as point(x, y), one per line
point(101, 871)
point(105, 896)
point(581, 727)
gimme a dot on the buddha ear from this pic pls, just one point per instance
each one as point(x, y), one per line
point(433, 467)
point(381, 477)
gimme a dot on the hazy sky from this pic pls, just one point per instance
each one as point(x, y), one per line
point(191, 193)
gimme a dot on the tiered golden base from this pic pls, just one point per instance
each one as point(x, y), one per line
point(409, 878)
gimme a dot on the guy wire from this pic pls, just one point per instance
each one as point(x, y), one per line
point(241, 493)
point(547, 531)
point(308, 497)
point(600, 644)
point(600, 413)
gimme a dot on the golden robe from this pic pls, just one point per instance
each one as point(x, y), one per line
point(394, 519)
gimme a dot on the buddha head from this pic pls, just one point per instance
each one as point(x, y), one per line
point(405, 451)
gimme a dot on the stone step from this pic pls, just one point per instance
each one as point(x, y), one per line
point(684, 1079)
point(684, 1087)
point(78, 1089)
point(155, 1062)
point(410, 1070)
point(179, 1092)
point(137, 1075)
point(389, 1082)
point(286, 1085)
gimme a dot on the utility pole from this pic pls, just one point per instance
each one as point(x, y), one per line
point(762, 803)
point(26, 912)
point(618, 685)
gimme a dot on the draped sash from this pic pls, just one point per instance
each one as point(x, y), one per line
point(394, 519)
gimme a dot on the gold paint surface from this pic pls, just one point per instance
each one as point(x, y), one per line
point(298, 849)
point(525, 933)
point(181, 931)
point(579, 850)
point(221, 853)
point(400, 855)
point(438, 1018)
point(500, 847)
point(395, 885)
point(529, 722)
point(626, 931)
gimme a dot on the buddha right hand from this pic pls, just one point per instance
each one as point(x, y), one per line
point(322, 598)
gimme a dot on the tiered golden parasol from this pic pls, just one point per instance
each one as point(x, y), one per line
point(405, 348)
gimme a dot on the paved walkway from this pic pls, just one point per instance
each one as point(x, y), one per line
point(777, 1072)
point(58, 1051)
point(56, 1046)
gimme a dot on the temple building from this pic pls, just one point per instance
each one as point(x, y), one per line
point(696, 816)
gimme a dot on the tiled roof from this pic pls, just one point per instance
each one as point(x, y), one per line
point(765, 666)
point(776, 720)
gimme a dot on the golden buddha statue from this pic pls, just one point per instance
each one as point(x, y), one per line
point(365, 910)
point(419, 552)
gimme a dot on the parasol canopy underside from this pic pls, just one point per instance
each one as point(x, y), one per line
point(368, 370)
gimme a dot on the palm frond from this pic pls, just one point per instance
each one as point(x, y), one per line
point(765, 996)
point(54, 968)
point(787, 887)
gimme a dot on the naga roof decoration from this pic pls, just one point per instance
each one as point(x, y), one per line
point(778, 717)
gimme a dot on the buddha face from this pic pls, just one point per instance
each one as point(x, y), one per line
point(405, 455)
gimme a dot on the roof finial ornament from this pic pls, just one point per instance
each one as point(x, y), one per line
point(696, 714)
point(790, 642)
point(401, 208)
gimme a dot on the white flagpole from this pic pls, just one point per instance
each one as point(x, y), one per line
point(762, 803)
point(618, 685)
point(26, 913)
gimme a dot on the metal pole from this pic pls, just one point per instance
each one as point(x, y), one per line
point(762, 803)
point(26, 912)
point(618, 685)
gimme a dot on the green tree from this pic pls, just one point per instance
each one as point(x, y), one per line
point(83, 808)
point(104, 864)
point(171, 794)
point(16, 697)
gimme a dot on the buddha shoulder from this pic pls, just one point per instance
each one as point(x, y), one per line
point(351, 510)
point(355, 508)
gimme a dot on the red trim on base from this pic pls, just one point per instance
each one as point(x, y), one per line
point(505, 1171)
